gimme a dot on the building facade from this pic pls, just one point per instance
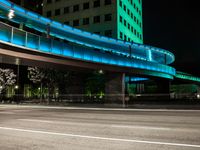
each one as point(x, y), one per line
point(121, 19)
point(35, 5)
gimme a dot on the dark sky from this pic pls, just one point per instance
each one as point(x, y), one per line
point(174, 25)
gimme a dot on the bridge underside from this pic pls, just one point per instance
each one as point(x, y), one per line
point(115, 76)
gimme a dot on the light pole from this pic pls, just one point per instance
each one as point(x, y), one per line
point(17, 86)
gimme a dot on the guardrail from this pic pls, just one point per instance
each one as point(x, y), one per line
point(29, 41)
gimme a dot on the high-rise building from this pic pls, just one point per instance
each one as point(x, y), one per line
point(121, 19)
point(34, 5)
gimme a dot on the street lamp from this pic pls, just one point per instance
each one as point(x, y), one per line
point(16, 87)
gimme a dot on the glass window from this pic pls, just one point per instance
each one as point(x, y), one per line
point(76, 8)
point(124, 7)
point(108, 2)
point(76, 23)
point(121, 19)
point(96, 32)
point(48, 13)
point(96, 19)
point(125, 37)
point(121, 35)
point(66, 10)
point(97, 3)
point(66, 22)
point(128, 11)
point(131, 29)
point(49, 1)
point(124, 22)
point(86, 21)
point(120, 3)
point(108, 17)
point(57, 12)
point(131, 15)
point(86, 5)
point(108, 33)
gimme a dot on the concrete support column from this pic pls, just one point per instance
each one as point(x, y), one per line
point(115, 88)
point(163, 86)
point(75, 89)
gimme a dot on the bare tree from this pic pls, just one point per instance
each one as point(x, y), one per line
point(7, 78)
point(37, 75)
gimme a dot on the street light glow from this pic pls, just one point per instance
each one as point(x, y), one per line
point(16, 87)
point(11, 14)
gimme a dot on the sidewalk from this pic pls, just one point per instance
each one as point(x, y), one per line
point(109, 106)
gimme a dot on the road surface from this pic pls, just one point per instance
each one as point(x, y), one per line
point(68, 128)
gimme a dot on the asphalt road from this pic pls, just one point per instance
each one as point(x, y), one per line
point(54, 128)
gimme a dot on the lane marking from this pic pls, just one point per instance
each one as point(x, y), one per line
point(100, 138)
point(100, 125)
point(140, 127)
point(8, 113)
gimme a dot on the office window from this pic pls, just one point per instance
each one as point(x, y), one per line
point(75, 8)
point(128, 11)
point(96, 32)
point(124, 22)
point(108, 17)
point(140, 13)
point(97, 3)
point(140, 36)
point(66, 22)
point(86, 21)
point(57, 12)
point(128, 26)
point(120, 3)
point(66, 10)
point(48, 13)
point(49, 1)
point(131, 29)
point(121, 35)
point(131, 15)
point(96, 19)
point(108, 2)
point(125, 37)
point(134, 18)
point(121, 19)
point(86, 5)
point(135, 31)
point(76, 23)
point(124, 7)
point(108, 33)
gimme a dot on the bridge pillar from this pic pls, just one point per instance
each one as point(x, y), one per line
point(115, 88)
point(76, 88)
point(163, 86)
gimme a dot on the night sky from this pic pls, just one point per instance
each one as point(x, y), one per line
point(174, 25)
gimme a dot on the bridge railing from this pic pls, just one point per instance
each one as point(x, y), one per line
point(30, 41)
